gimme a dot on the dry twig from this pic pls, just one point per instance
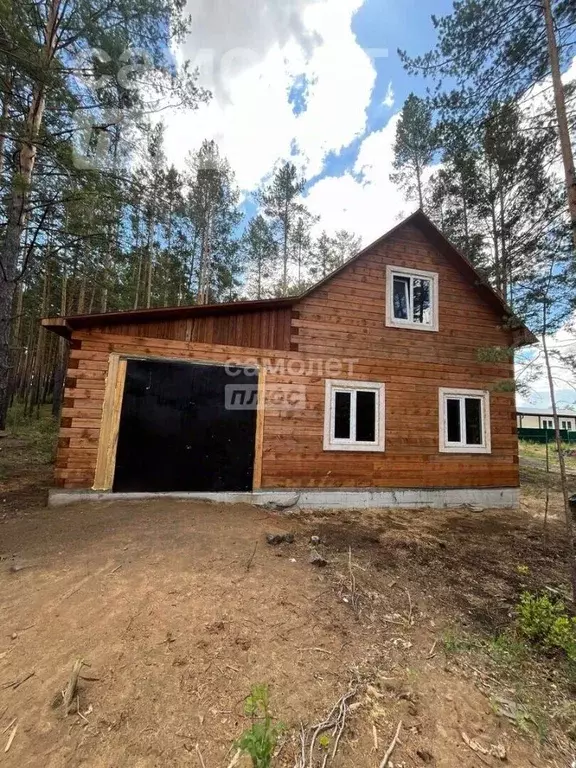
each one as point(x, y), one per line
point(354, 596)
point(17, 683)
point(334, 722)
point(249, 563)
point(392, 746)
point(476, 748)
point(235, 759)
point(11, 738)
point(10, 724)
point(410, 610)
point(202, 763)
point(68, 694)
point(318, 650)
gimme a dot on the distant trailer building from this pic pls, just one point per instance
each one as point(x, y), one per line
point(538, 424)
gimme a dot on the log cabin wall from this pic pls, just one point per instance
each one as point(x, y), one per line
point(342, 320)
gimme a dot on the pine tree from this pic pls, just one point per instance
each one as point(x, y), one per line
point(213, 208)
point(323, 257)
point(282, 205)
point(345, 245)
point(414, 147)
point(261, 254)
point(301, 246)
point(497, 51)
point(39, 56)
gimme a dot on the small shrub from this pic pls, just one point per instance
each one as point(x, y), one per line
point(324, 742)
point(259, 741)
point(546, 624)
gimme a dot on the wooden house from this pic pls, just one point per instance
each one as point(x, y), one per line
point(370, 389)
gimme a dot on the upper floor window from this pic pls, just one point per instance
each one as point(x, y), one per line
point(411, 298)
point(354, 416)
point(464, 421)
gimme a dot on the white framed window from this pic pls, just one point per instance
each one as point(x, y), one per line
point(354, 416)
point(411, 298)
point(464, 421)
point(567, 425)
point(547, 424)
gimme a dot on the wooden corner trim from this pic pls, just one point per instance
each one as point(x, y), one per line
point(110, 424)
point(259, 446)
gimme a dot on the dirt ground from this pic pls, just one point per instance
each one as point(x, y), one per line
point(178, 608)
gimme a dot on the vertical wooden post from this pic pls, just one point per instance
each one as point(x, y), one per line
point(110, 424)
point(259, 447)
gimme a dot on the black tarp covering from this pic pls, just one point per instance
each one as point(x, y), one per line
point(177, 433)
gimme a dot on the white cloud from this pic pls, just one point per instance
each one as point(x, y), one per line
point(389, 98)
point(237, 35)
point(252, 119)
point(364, 200)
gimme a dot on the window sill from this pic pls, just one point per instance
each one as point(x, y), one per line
point(390, 323)
point(354, 447)
point(465, 449)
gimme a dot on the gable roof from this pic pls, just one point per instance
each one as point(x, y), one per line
point(64, 326)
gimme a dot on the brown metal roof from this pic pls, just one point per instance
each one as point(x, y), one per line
point(64, 326)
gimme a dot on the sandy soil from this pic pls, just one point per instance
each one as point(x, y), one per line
point(178, 608)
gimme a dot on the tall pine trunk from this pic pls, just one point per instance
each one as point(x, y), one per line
point(419, 184)
point(495, 239)
point(563, 477)
point(17, 213)
point(563, 129)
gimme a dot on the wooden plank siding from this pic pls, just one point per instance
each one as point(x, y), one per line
point(342, 323)
point(265, 330)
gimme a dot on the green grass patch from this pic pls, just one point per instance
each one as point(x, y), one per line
point(31, 439)
point(532, 450)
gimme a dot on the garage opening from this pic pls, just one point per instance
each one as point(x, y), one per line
point(186, 428)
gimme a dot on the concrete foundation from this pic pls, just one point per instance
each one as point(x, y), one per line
point(437, 498)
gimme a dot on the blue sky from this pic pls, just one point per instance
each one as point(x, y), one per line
point(384, 25)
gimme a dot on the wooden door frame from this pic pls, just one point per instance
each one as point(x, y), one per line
point(259, 444)
point(112, 409)
point(110, 423)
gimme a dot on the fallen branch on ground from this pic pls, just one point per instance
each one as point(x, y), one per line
point(11, 738)
point(392, 746)
point(249, 563)
point(235, 759)
point(335, 722)
point(495, 750)
point(17, 683)
point(354, 596)
point(197, 748)
point(10, 724)
point(410, 609)
point(69, 693)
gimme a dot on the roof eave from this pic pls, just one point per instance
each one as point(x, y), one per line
point(64, 326)
point(58, 325)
